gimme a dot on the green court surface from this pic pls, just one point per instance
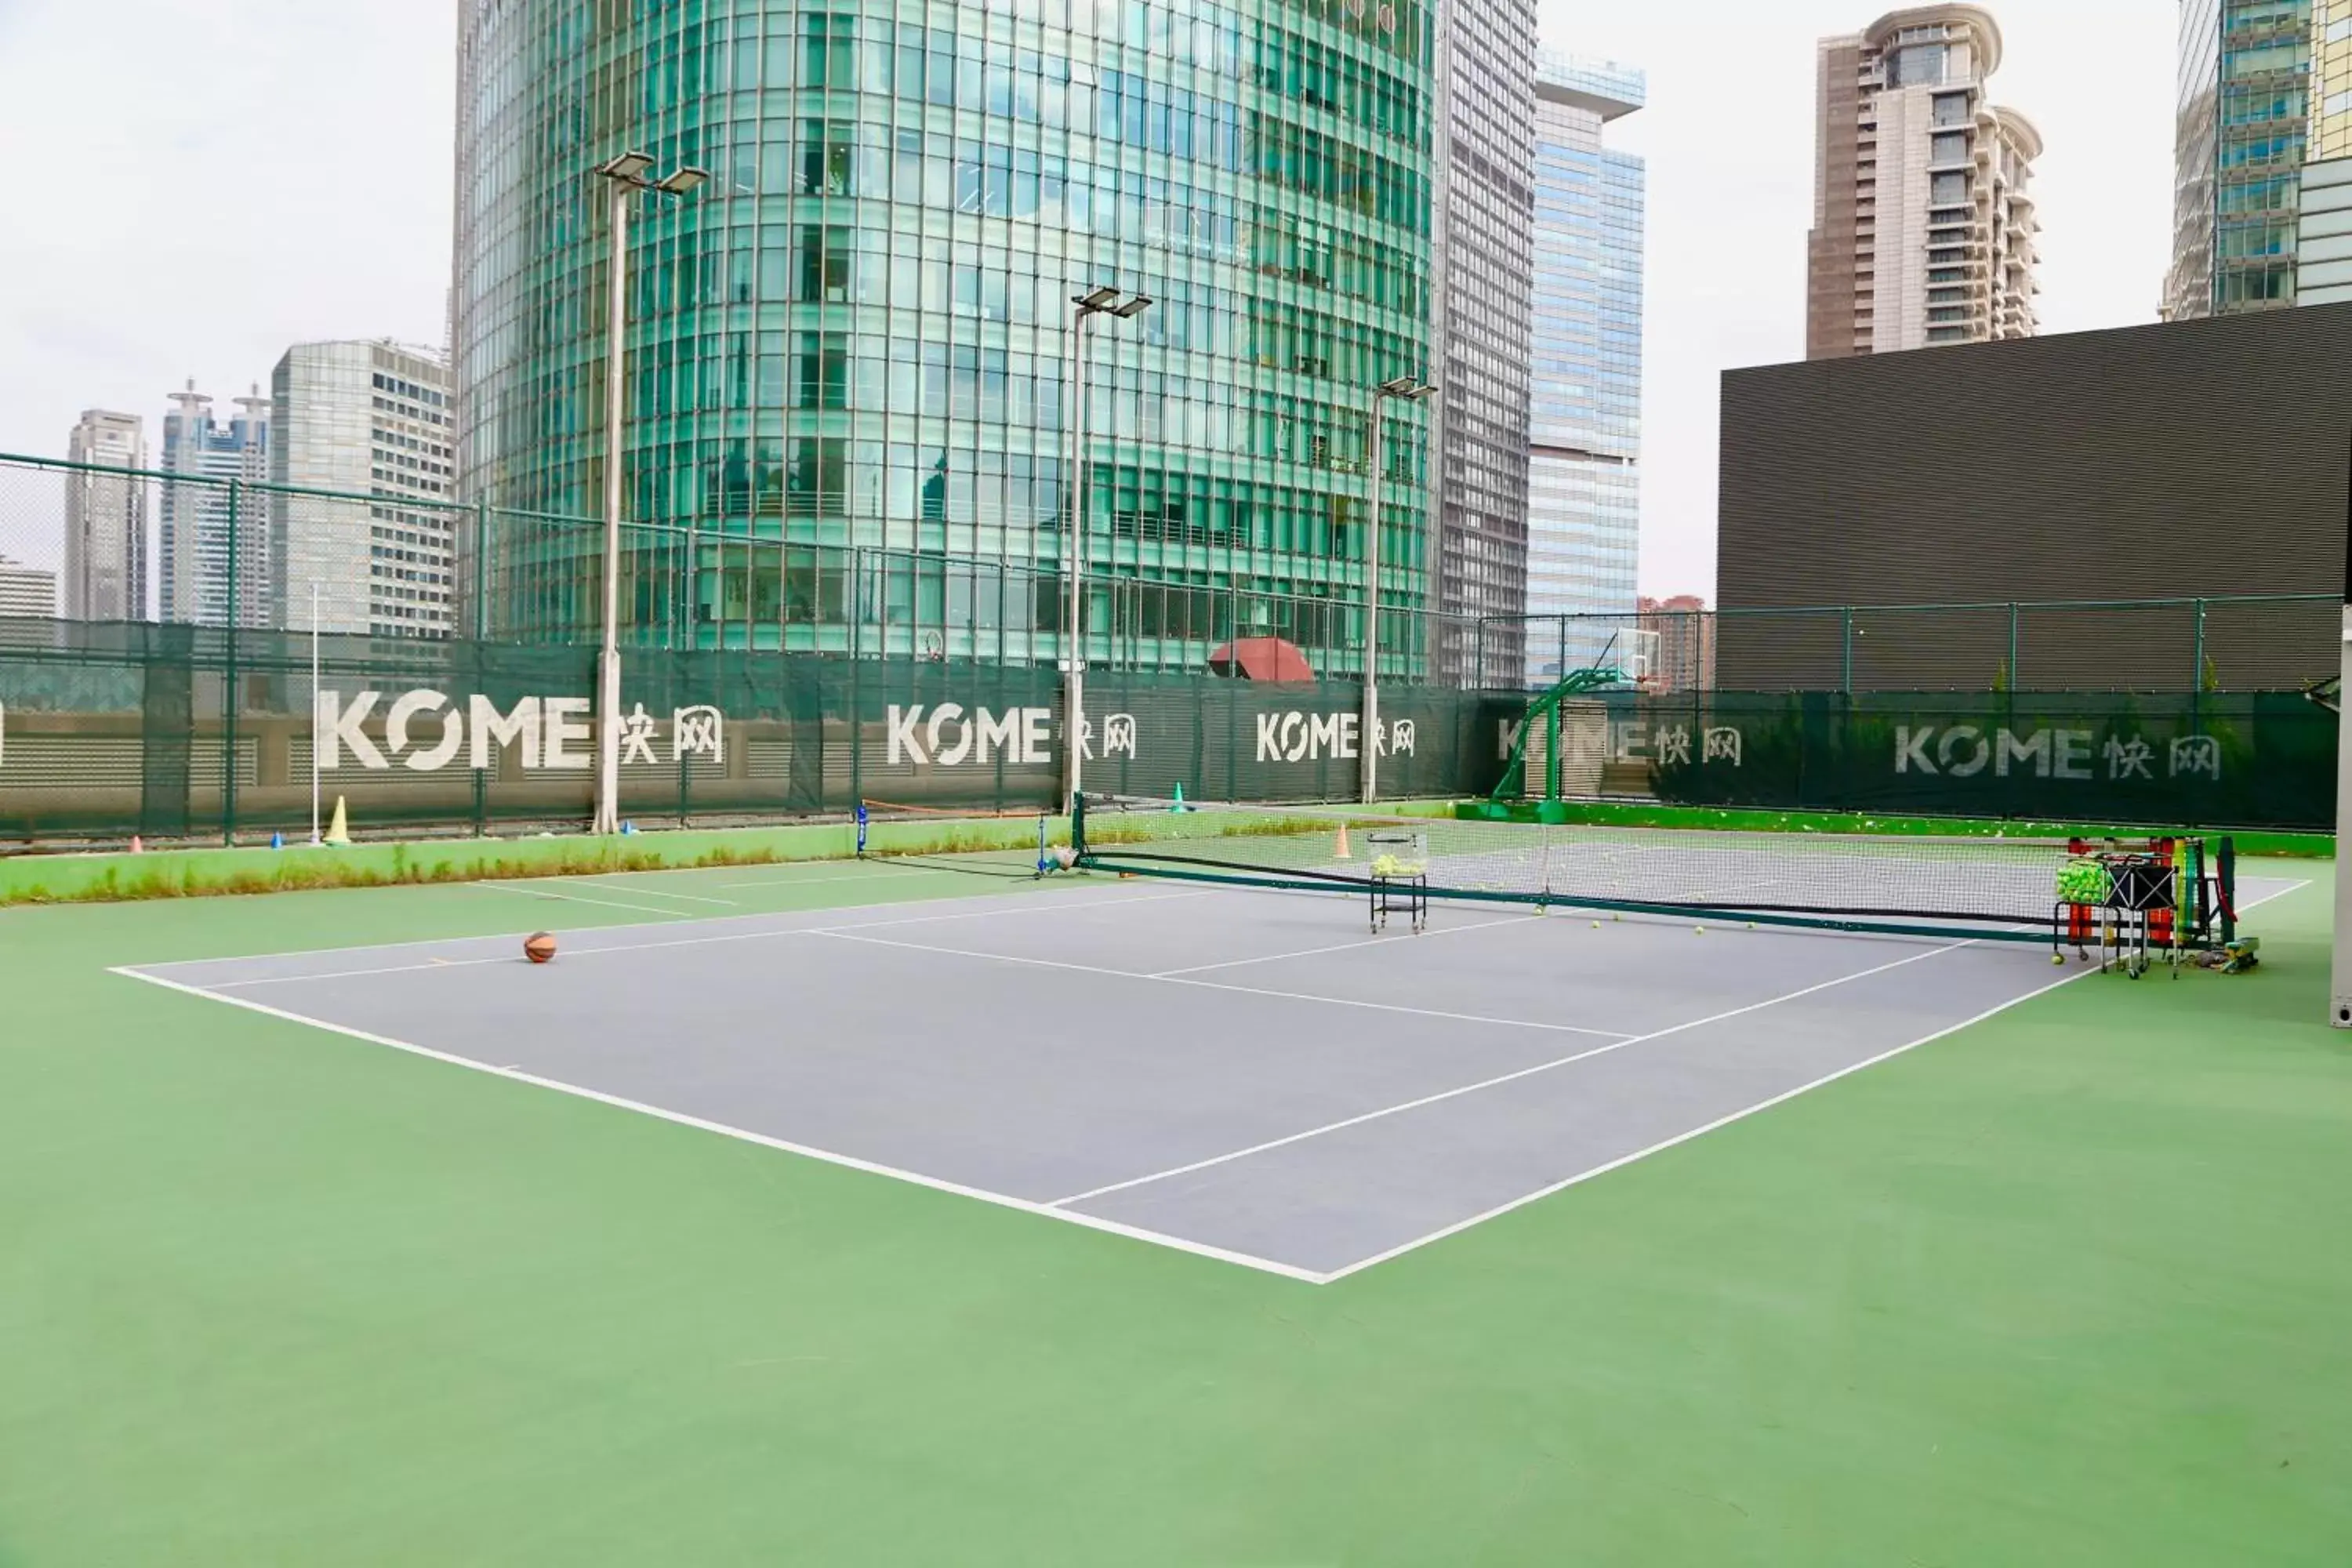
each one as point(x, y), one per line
point(2069, 1287)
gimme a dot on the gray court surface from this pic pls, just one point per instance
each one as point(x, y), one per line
point(1248, 1075)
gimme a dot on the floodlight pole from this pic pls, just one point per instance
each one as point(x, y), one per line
point(627, 176)
point(1095, 302)
point(1410, 389)
point(608, 661)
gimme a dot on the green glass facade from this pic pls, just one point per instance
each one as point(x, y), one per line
point(849, 369)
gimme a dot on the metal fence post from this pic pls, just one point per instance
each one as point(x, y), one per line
point(1845, 682)
point(481, 570)
point(2013, 671)
point(2197, 682)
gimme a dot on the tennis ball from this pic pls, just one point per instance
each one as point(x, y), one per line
point(1699, 930)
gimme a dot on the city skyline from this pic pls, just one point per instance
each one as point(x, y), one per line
point(350, 262)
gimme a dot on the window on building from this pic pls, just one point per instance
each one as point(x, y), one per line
point(1922, 65)
point(827, 253)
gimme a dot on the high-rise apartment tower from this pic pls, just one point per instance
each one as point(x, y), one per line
point(1923, 219)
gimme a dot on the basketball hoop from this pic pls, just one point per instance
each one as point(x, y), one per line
point(1643, 650)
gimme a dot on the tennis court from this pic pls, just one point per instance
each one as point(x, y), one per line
point(1243, 1073)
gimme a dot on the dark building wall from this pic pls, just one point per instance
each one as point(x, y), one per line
point(2199, 459)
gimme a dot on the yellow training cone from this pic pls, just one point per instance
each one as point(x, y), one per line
point(339, 831)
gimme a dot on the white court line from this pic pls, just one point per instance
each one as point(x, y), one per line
point(821, 881)
point(1041, 907)
point(1340, 947)
point(648, 892)
point(1497, 1082)
point(576, 898)
point(1090, 1222)
point(1458, 1226)
point(700, 1124)
point(843, 935)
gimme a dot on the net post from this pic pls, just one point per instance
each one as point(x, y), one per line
point(2225, 872)
point(1078, 827)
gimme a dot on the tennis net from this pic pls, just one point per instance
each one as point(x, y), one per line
point(1905, 885)
point(1009, 844)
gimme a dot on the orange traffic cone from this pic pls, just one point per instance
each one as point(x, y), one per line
point(1339, 852)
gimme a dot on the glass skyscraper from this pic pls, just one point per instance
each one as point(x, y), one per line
point(850, 352)
point(1584, 518)
point(2241, 132)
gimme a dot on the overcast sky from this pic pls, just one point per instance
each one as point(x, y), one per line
point(206, 184)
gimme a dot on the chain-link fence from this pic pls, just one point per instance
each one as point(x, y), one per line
point(2247, 643)
point(90, 543)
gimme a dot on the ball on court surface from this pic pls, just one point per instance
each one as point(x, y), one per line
point(539, 949)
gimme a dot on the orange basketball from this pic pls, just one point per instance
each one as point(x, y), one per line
point(540, 949)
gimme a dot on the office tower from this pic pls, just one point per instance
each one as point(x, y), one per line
point(1485, 214)
point(27, 590)
point(106, 520)
point(2243, 126)
point(367, 419)
point(849, 415)
point(1924, 218)
point(214, 537)
point(1584, 519)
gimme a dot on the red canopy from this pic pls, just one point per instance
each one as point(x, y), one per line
point(1261, 658)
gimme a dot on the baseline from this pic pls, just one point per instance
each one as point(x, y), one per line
point(702, 1124)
